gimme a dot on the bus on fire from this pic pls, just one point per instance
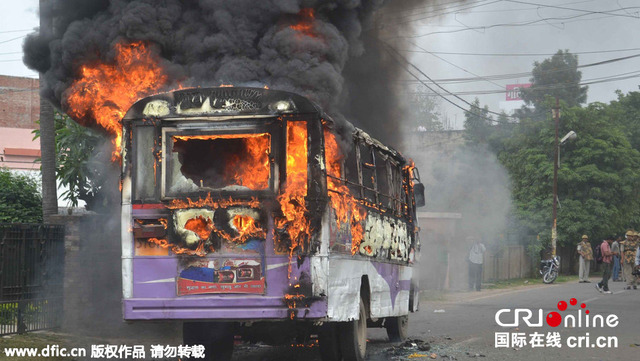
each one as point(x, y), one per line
point(249, 211)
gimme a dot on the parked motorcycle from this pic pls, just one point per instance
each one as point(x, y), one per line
point(549, 269)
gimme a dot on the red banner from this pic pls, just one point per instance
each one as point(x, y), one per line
point(191, 287)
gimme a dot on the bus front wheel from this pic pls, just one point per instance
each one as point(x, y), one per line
point(353, 337)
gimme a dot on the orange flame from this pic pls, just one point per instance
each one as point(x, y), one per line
point(246, 227)
point(251, 171)
point(292, 200)
point(305, 24)
point(209, 202)
point(104, 92)
point(346, 207)
point(199, 251)
point(200, 226)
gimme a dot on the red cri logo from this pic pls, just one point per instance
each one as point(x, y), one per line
point(554, 318)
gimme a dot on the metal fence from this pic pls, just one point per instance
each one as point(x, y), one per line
point(31, 277)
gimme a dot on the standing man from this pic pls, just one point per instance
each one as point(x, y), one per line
point(615, 247)
point(629, 258)
point(607, 258)
point(476, 259)
point(586, 255)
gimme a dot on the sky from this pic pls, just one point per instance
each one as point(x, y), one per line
point(489, 38)
point(513, 29)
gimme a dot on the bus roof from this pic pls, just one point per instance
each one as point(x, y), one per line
point(235, 101)
point(223, 101)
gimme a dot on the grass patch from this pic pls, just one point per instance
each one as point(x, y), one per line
point(38, 340)
point(517, 282)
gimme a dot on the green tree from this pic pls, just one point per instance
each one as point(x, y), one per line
point(78, 167)
point(481, 129)
point(598, 181)
point(625, 111)
point(20, 199)
point(424, 110)
point(556, 77)
point(477, 123)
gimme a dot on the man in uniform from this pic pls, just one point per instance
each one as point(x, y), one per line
point(629, 257)
point(586, 255)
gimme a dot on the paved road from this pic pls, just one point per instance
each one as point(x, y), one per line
point(469, 321)
point(463, 327)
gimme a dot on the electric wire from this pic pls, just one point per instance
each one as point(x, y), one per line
point(397, 56)
point(524, 74)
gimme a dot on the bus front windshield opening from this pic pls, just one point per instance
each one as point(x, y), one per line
point(219, 161)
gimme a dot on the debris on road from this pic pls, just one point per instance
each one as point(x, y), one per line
point(475, 354)
point(439, 311)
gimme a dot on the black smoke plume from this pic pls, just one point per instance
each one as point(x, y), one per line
point(339, 62)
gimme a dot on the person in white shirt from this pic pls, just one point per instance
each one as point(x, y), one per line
point(476, 259)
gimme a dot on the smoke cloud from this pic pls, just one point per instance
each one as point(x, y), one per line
point(331, 54)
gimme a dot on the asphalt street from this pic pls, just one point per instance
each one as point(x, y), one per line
point(467, 322)
point(463, 326)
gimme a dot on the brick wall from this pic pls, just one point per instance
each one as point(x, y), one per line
point(19, 102)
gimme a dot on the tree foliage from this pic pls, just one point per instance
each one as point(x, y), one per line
point(20, 199)
point(599, 175)
point(556, 77)
point(598, 180)
point(424, 110)
point(79, 168)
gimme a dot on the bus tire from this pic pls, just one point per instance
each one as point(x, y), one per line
point(216, 337)
point(353, 337)
point(329, 345)
point(397, 328)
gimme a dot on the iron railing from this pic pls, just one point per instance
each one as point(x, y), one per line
point(31, 277)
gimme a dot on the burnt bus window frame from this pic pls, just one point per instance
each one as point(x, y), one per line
point(396, 197)
point(235, 126)
point(368, 173)
point(133, 163)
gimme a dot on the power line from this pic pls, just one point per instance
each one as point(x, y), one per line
point(609, 13)
point(397, 55)
point(516, 54)
point(589, 12)
point(623, 76)
point(19, 37)
point(459, 67)
point(523, 74)
point(486, 27)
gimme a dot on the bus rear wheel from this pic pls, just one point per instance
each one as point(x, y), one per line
point(216, 337)
point(397, 328)
point(353, 337)
point(329, 345)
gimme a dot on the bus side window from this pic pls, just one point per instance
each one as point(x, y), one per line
point(145, 181)
point(382, 179)
point(397, 191)
point(368, 173)
point(351, 171)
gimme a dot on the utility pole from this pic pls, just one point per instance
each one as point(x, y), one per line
point(554, 233)
point(47, 137)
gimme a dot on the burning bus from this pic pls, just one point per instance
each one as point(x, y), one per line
point(249, 211)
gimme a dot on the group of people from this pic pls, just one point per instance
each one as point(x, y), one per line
point(617, 254)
